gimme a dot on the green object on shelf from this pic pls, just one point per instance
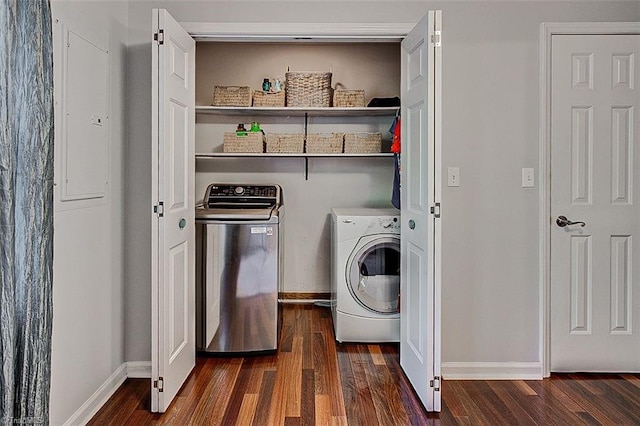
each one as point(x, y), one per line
point(255, 127)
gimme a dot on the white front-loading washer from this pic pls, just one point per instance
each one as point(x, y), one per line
point(365, 278)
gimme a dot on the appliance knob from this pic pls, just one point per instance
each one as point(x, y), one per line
point(239, 190)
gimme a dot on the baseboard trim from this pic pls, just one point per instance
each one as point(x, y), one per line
point(491, 370)
point(99, 397)
point(134, 369)
point(139, 369)
point(292, 297)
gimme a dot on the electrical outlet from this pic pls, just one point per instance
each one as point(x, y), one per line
point(528, 178)
point(453, 176)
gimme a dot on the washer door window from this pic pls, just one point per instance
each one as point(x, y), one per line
point(373, 274)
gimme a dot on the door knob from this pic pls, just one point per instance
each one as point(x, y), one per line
point(412, 224)
point(182, 223)
point(562, 221)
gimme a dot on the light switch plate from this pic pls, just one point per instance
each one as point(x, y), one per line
point(453, 176)
point(528, 177)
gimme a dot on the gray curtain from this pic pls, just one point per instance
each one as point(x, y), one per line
point(26, 210)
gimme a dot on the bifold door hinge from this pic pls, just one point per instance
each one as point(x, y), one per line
point(159, 384)
point(435, 38)
point(435, 384)
point(435, 210)
point(159, 37)
point(159, 209)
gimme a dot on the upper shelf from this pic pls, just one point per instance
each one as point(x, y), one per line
point(298, 111)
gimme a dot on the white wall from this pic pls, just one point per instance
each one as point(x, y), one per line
point(88, 287)
point(490, 131)
point(363, 182)
point(490, 223)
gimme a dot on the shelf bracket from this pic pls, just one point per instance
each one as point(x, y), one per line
point(306, 159)
point(306, 168)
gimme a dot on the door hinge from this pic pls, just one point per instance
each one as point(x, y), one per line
point(159, 37)
point(435, 384)
point(159, 209)
point(435, 210)
point(159, 384)
point(435, 38)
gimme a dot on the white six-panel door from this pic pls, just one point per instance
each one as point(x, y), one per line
point(173, 229)
point(595, 178)
point(420, 247)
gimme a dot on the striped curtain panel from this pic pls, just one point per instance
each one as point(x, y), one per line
point(26, 210)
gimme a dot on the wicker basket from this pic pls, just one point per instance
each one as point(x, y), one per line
point(285, 142)
point(308, 89)
point(238, 96)
point(267, 99)
point(348, 98)
point(324, 142)
point(362, 142)
point(252, 142)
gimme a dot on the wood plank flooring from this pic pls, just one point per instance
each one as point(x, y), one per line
point(314, 381)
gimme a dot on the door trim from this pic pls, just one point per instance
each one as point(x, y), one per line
point(255, 31)
point(547, 30)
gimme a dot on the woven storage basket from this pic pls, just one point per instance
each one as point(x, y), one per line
point(324, 142)
point(362, 142)
point(348, 98)
point(285, 142)
point(239, 96)
point(252, 142)
point(266, 99)
point(308, 89)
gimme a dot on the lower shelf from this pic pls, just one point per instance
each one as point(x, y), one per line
point(282, 154)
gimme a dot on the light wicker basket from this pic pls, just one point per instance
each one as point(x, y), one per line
point(285, 142)
point(308, 89)
point(362, 142)
point(324, 142)
point(238, 96)
point(267, 99)
point(348, 98)
point(252, 142)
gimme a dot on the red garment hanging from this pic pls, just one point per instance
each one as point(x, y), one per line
point(395, 145)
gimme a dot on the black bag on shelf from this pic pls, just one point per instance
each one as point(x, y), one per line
point(384, 102)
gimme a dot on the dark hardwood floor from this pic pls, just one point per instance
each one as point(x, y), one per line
point(314, 381)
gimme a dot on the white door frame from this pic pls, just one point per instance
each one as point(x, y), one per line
point(238, 31)
point(547, 30)
point(353, 32)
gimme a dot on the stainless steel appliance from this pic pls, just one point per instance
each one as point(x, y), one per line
point(238, 268)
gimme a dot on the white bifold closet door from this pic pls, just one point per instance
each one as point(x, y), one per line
point(420, 210)
point(173, 217)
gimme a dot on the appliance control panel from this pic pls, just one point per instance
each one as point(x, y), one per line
point(388, 223)
point(242, 195)
point(244, 190)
